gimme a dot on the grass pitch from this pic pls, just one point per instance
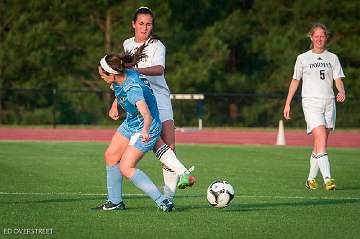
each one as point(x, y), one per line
point(53, 185)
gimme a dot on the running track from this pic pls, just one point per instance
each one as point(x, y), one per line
point(206, 136)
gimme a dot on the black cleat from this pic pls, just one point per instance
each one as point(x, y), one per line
point(166, 205)
point(109, 206)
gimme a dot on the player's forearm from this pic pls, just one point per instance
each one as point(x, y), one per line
point(151, 71)
point(340, 85)
point(147, 121)
point(145, 113)
point(114, 104)
point(292, 89)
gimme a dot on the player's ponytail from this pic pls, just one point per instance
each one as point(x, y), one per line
point(117, 63)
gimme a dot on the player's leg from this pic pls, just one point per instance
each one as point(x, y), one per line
point(128, 168)
point(167, 156)
point(170, 176)
point(314, 117)
point(320, 135)
point(314, 168)
point(168, 136)
point(323, 159)
point(113, 176)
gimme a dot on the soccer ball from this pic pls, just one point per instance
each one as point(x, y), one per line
point(220, 193)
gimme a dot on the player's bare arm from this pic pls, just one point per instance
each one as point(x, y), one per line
point(292, 89)
point(114, 112)
point(340, 97)
point(144, 111)
point(151, 71)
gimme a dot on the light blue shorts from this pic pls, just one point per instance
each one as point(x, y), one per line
point(135, 138)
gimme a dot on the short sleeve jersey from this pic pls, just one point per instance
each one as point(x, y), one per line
point(318, 71)
point(134, 89)
point(155, 55)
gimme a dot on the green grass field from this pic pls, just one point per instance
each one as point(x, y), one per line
point(54, 185)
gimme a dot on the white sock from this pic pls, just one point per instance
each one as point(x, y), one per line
point(324, 166)
point(167, 156)
point(314, 167)
point(170, 182)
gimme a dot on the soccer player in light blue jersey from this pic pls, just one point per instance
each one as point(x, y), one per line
point(138, 134)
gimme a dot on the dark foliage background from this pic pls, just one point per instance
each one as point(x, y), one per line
point(240, 54)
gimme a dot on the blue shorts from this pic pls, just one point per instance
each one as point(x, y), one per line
point(135, 138)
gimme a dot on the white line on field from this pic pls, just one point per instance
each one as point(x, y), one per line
point(134, 194)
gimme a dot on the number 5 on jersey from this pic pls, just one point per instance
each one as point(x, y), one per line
point(322, 74)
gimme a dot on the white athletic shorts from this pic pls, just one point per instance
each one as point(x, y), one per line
point(319, 112)
point(164, 105)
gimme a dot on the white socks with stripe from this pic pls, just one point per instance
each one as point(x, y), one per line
point(324, 165)
point(167, 156)
point(170, 182)
point(314, 167)
point(171, 168)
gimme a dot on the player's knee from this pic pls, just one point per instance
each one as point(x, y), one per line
point(110, 158)
point(125, 170)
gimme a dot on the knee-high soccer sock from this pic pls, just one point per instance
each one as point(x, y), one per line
point(114, 183)
point(314, 167)
point(324, 166)
point(144, 183)
point(170, 182)
point(167, 156)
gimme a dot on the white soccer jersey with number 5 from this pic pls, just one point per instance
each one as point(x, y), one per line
point(318, 71)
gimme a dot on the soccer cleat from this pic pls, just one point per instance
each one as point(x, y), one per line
point(166, 205)
point(109, 206)
point(186, 180)
point(311, 184)
point(330, 185)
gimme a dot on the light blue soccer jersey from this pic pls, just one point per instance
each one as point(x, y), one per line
point(127, 94)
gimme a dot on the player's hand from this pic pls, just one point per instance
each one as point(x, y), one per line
point(340, 97)
point(145, 137)
point(286, 112)
point(114, 113)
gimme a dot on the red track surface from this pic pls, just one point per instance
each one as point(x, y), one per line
point(337, 139)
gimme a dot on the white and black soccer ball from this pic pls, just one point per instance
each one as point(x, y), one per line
point(220, 193)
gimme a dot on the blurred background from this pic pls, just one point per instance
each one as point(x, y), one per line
point(239, 54)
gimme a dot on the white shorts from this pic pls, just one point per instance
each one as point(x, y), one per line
point(319, 112)
point(164, 105)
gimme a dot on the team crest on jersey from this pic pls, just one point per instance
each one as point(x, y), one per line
point(122, 99)
point(146, 82)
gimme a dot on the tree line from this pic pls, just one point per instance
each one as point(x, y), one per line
point(213, 47)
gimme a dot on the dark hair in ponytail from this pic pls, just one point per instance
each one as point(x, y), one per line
point(119, 62)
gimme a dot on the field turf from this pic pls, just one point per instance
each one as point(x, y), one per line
point(53, 185)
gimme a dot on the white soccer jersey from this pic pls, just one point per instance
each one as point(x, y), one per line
point(318, 71)
point(155, 52)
